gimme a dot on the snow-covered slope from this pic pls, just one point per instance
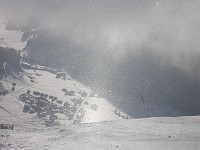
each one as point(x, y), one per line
point(180, 133)
point(92, 109)
point(102, 126)
point(95, 109)
point(11, 38)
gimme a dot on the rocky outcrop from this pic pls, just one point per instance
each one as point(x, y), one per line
point(9, 56)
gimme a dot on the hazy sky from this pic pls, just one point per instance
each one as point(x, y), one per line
point(170, 29)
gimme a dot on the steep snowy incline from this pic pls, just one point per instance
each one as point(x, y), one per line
point(91, 109)
point(179, 133)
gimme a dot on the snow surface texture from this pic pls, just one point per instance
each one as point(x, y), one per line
point(11, 38)
point(180, 133)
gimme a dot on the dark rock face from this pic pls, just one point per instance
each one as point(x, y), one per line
point(10, 56)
